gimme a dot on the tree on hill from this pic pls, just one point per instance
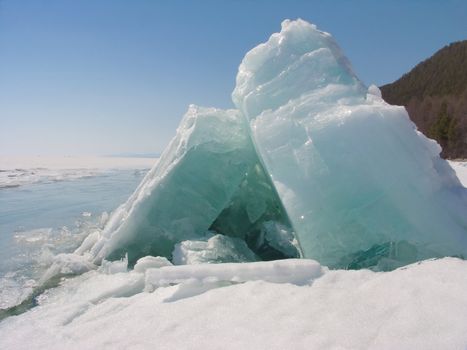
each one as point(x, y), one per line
point(435, 95)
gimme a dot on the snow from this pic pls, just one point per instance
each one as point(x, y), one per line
point(460, 167)
point(17, 171)
point(148, 262)
point(420, 306)
point(294, 271)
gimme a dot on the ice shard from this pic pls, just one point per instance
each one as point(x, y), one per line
point(361, 186)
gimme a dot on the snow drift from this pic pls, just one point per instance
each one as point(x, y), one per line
point(421, 306)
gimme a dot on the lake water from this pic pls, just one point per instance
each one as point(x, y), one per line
point(40, 220)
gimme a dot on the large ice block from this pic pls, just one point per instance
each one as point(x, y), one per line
point(208, 178)
point(185, 191)
point(361, 186)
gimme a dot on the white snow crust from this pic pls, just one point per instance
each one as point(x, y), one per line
point(420, 306)
point(460, 167)
point(281, 271)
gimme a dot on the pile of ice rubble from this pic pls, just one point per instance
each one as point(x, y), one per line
point(311, 164)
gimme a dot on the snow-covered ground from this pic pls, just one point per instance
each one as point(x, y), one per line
point(461, 170)
point(421, 306)
point(17, 171)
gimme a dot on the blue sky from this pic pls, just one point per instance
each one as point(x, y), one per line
point(112, 77)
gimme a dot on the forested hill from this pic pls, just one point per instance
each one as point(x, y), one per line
point(435, 95)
